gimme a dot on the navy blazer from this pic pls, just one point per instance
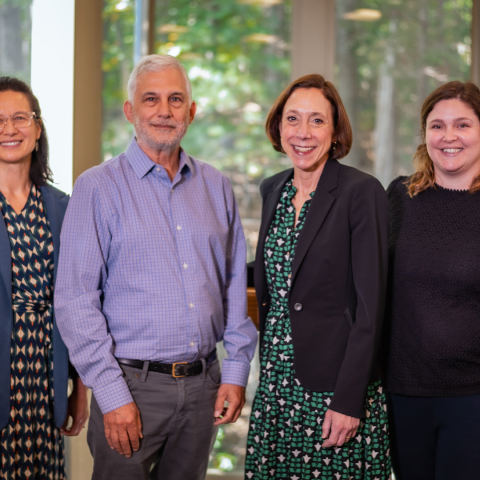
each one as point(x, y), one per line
point(55, 204)
point(339, 277)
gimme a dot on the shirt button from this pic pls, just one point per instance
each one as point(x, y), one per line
point(157, 169)
point(192, 344)
point(185, 266)
point(191, 305)
point(179, 227)
point(298, 307)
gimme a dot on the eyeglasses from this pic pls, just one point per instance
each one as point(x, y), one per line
point(19, 119)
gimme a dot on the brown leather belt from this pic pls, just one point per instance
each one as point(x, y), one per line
point(176, 370)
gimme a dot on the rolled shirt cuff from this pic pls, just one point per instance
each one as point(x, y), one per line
point(235, 373)
point(113, 395)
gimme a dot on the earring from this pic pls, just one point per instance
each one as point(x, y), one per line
point(334, 145)
point(36, 146)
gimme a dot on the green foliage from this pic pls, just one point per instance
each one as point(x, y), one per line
point(219, 438)
point(224, 461)
point(430, 43)
point(24, 4)
point(238, 59)
point(117, 63)
point(236, 76)
point(16, 45)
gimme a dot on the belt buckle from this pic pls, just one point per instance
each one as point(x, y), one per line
point(173, 369)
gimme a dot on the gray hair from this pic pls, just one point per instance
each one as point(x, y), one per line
point(155, 63)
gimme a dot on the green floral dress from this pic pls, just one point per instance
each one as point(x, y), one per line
point(284, 439)
point(31, 444)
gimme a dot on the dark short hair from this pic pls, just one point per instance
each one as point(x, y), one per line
point(40, 172)
point(341, 124)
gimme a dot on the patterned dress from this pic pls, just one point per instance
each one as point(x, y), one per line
point(284, 439)
point(31, 444)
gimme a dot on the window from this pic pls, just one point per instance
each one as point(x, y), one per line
point(237, 55)
point(390, 56)
point(15, 38)
point(117, 64)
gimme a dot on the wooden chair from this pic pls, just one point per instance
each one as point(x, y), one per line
point(252, 305)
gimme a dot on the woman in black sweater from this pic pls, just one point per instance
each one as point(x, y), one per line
point(433, 312)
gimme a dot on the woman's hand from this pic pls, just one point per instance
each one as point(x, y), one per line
point(338, 429)
point(77, 409)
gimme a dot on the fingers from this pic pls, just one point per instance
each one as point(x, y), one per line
point(123, 429)
point(117, 445)
point(133, 435)
point(338, 429)
point(139, 425)
point(230, 414)
point(332, 439)
point(69, 432)
point(108, 437)
point(219, 404)
point(234, 395)
point(124, 440)
point(342, 437)
point(76, 427)
point(327, 424)
point(238, 412)
point(352, 434)
point(119, 441)
point(220, 420)
point(353, 430)
point(64, 428)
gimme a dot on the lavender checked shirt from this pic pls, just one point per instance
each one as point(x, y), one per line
point(151, 269)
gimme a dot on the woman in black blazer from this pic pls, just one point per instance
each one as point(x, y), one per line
point(320, 278)
point(34, 367)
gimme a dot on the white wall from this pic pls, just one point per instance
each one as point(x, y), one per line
point(53, 32)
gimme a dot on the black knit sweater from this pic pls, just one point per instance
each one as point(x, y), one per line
point(433, 309)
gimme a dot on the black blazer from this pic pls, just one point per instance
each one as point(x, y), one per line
point(339, 275)
point(55, 203)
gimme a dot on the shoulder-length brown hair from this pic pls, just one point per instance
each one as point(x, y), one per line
point(424, 176)
point(341, 124)
point(40, 172)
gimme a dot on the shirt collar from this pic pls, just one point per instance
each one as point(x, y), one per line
point(290, 190)
point(142, 164)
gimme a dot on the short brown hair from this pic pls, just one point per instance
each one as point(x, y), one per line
point(341, 124)
point(424, 176)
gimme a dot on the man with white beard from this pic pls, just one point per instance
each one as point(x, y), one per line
point(152, 274)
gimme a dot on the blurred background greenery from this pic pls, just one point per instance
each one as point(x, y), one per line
point(390, 54)
point(237, 54)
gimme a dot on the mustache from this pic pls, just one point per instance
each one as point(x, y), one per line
point(167, 123)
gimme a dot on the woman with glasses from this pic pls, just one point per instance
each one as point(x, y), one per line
point(34, 367)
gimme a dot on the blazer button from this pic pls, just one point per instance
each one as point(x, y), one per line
point(298, 307)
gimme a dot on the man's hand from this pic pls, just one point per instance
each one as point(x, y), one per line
point(337, 427)
point(77, 409)
point(123, 429)
point(235, 396)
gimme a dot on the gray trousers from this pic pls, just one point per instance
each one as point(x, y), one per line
point(177, 426)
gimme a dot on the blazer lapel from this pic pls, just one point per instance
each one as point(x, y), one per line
point(268, 213)
point(51, 212)
point(321, 204)
point(5, 258)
